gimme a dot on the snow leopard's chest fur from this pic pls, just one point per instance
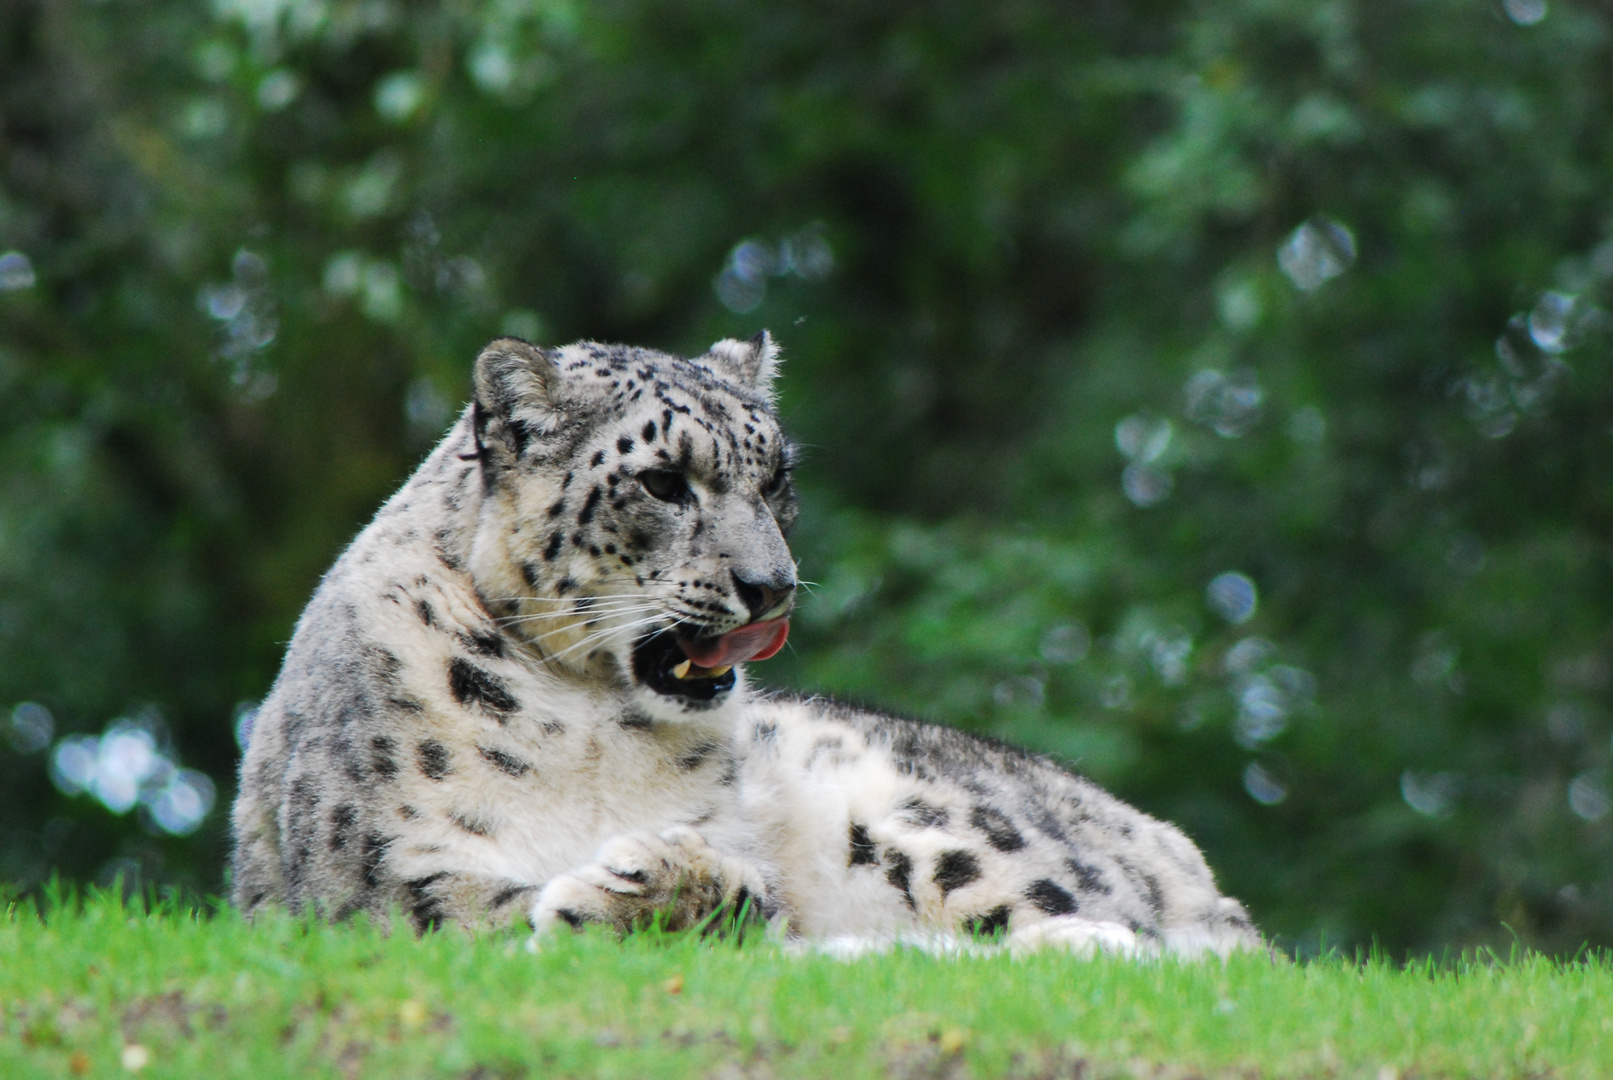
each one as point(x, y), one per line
point(521, 691)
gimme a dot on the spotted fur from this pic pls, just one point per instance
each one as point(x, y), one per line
point(465, 729)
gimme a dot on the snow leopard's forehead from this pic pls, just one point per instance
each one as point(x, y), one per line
point(693, 415)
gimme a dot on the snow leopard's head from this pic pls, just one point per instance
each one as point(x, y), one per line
point(634, 511)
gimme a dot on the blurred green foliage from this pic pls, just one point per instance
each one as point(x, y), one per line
point(1214, 395)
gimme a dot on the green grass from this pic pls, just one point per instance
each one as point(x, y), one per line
point(91, 989)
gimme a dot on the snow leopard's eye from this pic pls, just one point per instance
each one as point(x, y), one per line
point(776, 485)
point(668, 485)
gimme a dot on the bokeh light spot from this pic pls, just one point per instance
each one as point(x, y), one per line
point(1317, 252)
point(31, 727)
point(1233, 597)
point(1430, 794)
point(1228, 404)
point(1143, 438)
point(399, 95)
point(1146, 485)
point(16, 272)
point(1263, 785)
point(1588, 797)
point(1525, 12)
point(1066, 643)
point(129, 765)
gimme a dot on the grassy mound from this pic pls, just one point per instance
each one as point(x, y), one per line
point(102, 988)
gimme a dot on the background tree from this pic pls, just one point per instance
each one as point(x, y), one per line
point(1215, 396)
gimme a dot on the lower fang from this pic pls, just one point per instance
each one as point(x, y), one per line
point(681, 671)
point(719, 672)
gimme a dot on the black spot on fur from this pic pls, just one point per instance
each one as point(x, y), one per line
point(635, 721)
point(341, 822)
point(920, 813)
point(381, 759)
point(471, 685)
point(444, 536)
point(529, 574)
point(505, 763)
point(590, 504)
point(552, 548)
point(1050, 897)
point(624, 445)
point(374, 854)
point(570, 918)
point(696, 757)
point(1091, 878)
point(598, 458)
point(352, 763)
point(649, 431)
point(990, 924)
point(433, 758)
point(899, 874)
point(1153, 895)
point(304, 796)
point(425, 613)
point(999, 830)
point(863, 852)
point(474, 826)
point(424, 910)
point(1047, 824)
point(557, 509)
point(483, 643)
point(504, 896)
point(954, 870)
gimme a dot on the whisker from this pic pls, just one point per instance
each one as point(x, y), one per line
point(581, 616)
point(581, 613)
point(601, 635)
point(565, 599)
point(605, 605)
point(604, 631)
point(610, 629)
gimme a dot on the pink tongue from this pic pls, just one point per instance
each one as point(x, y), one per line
point(753, 641)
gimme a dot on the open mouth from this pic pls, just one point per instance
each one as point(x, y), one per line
point(699, 669)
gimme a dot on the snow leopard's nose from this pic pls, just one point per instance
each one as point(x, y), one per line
point(763, 597)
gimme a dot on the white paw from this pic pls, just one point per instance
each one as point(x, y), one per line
point(1083, 937)
point(636, 876)
point(570, 901)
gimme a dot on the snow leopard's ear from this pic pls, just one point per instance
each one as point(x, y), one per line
point(752, 363)
point(516, 385)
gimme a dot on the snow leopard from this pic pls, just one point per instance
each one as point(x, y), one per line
point(522, 693)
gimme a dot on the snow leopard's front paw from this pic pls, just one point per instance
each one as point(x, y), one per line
point(636, 879)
